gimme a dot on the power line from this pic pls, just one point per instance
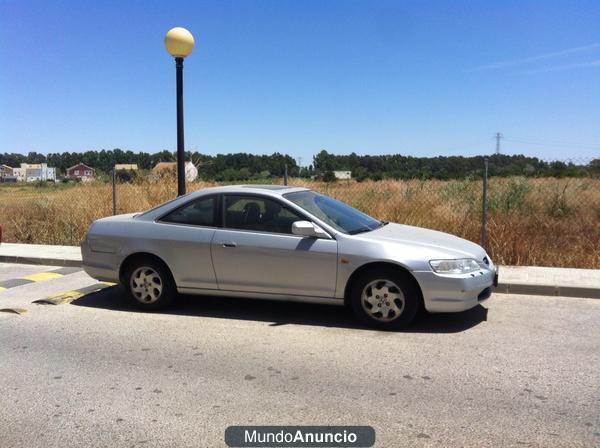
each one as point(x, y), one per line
point(563, 145)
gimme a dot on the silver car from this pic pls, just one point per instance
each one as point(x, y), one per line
point(286, 243)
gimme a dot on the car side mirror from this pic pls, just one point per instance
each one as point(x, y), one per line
point(307, 228)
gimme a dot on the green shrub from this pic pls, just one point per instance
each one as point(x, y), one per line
point(508, 197)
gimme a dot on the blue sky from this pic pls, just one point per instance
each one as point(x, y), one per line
point(373, 77)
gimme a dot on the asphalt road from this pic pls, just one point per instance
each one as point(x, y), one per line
point(523, 371)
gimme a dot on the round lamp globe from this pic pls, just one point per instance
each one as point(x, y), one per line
point(179, 42)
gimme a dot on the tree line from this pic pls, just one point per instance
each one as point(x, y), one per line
point(398, 166)
point(244, 166)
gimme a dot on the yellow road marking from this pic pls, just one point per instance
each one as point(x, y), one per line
point(42, 276)
point(108, 283)
point(2, 289)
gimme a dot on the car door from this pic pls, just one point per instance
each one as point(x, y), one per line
point(255, 251)
point(184, 236)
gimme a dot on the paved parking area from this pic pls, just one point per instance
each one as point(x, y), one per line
point(10, 271)
point(523, 371)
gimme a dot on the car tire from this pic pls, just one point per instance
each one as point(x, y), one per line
point(149, 284)
point(385, 298)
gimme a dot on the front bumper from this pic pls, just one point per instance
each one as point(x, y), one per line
point(455, 293)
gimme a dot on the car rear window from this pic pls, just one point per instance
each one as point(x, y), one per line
point(201, 212)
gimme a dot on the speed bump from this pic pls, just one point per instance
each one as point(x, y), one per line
point(68, 296)
point(59, 299)
point(13, 310)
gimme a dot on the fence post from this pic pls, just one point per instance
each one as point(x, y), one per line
point(114, 191)
point(484, 203)
point(285, 175)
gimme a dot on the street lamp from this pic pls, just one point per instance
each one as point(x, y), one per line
point(179, 43)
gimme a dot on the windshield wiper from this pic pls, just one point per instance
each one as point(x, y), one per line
point(368, 229)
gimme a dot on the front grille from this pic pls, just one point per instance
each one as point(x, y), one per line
point(485, 294)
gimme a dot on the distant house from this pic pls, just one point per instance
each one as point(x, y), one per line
point(32, 172)
point(126, 167)
point(5, 171)
point(6, 174)
point(81, 171)
point(343, 174)
point(162, 168)
point(19, 174)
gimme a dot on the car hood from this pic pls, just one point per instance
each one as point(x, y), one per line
point(440, 243)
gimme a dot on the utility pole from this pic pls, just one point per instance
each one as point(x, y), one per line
point(498, 137)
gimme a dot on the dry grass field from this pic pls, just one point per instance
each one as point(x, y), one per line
point(543, 222)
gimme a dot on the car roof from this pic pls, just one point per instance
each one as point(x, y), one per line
point(269, 189)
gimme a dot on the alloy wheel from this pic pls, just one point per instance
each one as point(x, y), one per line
point(383, 300)
point(146, 285)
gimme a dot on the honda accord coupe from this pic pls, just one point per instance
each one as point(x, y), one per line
point(286, 243)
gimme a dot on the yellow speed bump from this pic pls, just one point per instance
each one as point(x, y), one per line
point(69, 296)
point(42, 276)
point(59, 299)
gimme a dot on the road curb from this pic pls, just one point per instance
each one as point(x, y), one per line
point(548, 290)
point(502, 288)
point(42, 261)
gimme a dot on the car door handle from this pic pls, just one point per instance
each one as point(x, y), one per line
point(229, 244)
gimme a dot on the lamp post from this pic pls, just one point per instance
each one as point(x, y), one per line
point(179, 43)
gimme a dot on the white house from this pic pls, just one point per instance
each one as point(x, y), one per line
point(5, 171)
point(343, 174)
point(32, 172)
point(19, 173)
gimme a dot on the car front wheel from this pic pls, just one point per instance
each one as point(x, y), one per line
point(150, 285)
point(386, 299)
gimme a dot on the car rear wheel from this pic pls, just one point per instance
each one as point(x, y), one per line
point(150, 285)
point(386, 299)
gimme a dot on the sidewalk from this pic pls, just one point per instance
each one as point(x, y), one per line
point(40, 254)
point(534, 280)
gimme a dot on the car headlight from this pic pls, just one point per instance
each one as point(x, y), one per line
point(460, 266)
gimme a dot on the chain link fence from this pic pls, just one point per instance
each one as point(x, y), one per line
point(545, 221)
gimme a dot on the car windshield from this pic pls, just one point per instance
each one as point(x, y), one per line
point(338, 215)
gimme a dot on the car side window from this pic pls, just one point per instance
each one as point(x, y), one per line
point(258, 214)
point(200, 212)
